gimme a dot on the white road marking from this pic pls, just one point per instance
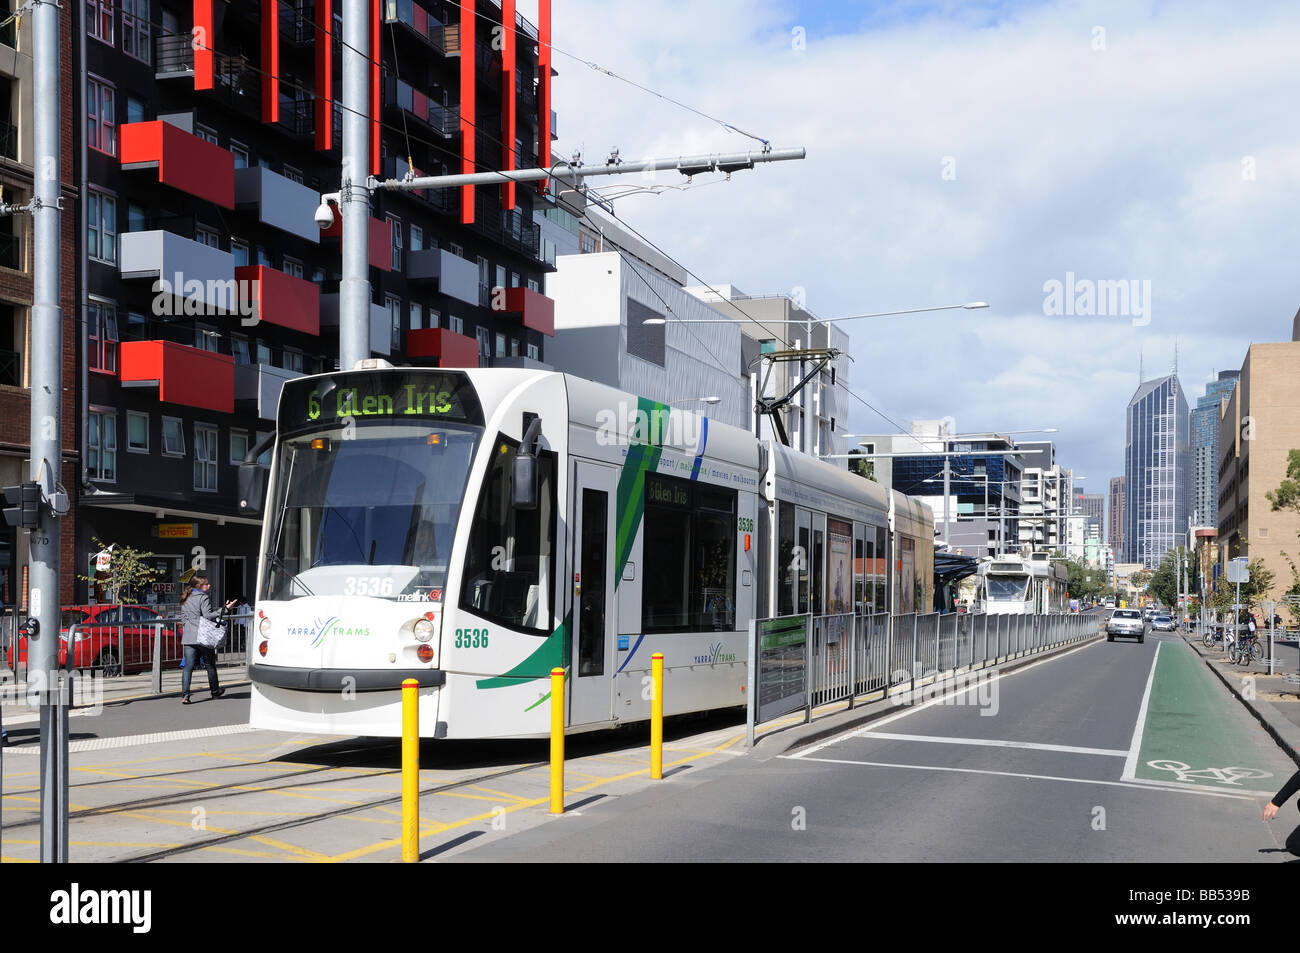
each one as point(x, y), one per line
point(993, 743)
point(1164, 787)
point(1130, 763)
point(881, 722)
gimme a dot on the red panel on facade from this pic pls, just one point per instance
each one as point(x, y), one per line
point(467, 55)
point(376, 94)
point(544, 88)
point(185, 375)
point(537, 310)
point(451, 349)
point(270, 60)
point(184, 161)
point(204, 30)
point(324, 74)
point(279, 298)
point(509, 43)
point(381, 244)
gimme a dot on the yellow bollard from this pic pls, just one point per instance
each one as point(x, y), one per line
point(557, 741)
point(657, 716)
point(410, 771)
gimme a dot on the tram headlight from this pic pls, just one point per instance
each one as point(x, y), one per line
point(264, 627)
point(423, 630)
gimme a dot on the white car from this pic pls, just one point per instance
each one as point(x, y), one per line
point(1126, 623)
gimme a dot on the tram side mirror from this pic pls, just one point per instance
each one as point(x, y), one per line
point(252, 487)
point(523, 489)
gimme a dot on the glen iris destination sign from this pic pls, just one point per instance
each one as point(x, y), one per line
point(388, 395)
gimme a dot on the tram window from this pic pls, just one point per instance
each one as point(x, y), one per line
point(591, 607)
point(785, 566)
point(880, 580)
point(508, 563)
point(818, 566)
point(698, 522)
point(801, 566)
point(860, 570)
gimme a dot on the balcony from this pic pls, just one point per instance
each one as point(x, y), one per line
point(441, 200)
point(535, 310)
point(455, 276)
point(443, 120)
point(183, 375)
point(280, 299)
point(446, 348)
point(297, 116)
point(281, 203)
point(202, 278)
point(506, 228)
point(183, 160)
point(173, 56)
point(258, 386)
point(418, 20)
point(381, 332)
point(380, 244)
point(297, 23)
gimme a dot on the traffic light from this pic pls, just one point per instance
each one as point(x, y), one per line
point(23, 505)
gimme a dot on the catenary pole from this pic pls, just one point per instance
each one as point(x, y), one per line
point(354, 196)
point(46, 406)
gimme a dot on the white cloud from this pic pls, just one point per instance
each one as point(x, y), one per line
point(1125, 163)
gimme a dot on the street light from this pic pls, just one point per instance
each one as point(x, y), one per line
point(970, 305)
point(688, 400)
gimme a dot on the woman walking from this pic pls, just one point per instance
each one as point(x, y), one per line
point(196, 605)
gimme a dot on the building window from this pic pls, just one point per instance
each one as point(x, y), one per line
point(206, 338)
point(292, 174)
point(501, 277)
point(99, 20)
point(101, 450)
point(263, 353)
point(533, 352)
point(417, 317)
point(206, 134)
point(501, 345)
point(135, 110)
point(205, 457)
point(455, 249)
point(207, 236)
point(239, 349)
point(240, 152)
point(101, 227)
point(102, 333)
point(238, 445)
point(239, 251)
point(137, 219)
point(395, 239)
point(514, 279)
point(173, 437)
point(293, 359)
point(455, 324)
point(135, 29)
point(484, 337)
point(137, 432)
point(435, 318)
point(417, 238)
point(101, 117)
point(533, 285)
point(395, 319)
point(292, 267)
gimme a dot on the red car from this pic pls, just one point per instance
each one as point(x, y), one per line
point(112, 639)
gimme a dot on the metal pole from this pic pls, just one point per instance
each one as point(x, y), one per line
point(354, 196)
point(46, 417)
point(946, 471)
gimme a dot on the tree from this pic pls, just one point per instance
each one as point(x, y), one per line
point(127, 571)
point(1167, 579)
point(1084, 582)
point(1252, 591)
point(1287, 497)
point(864, 468)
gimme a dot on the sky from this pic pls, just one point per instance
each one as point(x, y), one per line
point(972, 151)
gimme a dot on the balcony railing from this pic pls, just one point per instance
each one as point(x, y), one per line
point(508, 228)
point(421, 22)
point(297, 23)
point(297, 116)
point(11, 369)
point(442, 200)
point(173, 55)
point(444, 120)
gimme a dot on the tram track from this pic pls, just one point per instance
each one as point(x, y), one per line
point(276, 826)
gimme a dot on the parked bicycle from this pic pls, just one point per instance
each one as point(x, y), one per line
point(1247, 649)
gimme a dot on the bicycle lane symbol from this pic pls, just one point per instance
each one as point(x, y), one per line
point(1226, 776)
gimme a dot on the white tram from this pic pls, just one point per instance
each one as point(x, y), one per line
point(1023, 585)
point(473, 529)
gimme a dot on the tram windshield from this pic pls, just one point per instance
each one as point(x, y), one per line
point(368, 510)
point(1007, 588)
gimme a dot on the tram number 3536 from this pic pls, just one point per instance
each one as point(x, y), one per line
point(471, 638)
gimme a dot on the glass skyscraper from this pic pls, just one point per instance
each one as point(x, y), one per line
point(1204, 473)
point(1155, 471)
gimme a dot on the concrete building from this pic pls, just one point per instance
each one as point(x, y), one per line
point(818, 417)
point(1257, 429)
point(1155, 471)
point(1203, 445)
point(601, 303)
point(1047, 493)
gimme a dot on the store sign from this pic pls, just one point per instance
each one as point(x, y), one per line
point(103, 561)
point(164, 587)
point(178, 530)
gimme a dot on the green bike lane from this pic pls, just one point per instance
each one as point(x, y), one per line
point(1193, 732)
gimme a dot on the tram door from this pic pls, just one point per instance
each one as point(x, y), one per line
point(595, 618)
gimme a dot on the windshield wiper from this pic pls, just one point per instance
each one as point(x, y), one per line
point(279, 564)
